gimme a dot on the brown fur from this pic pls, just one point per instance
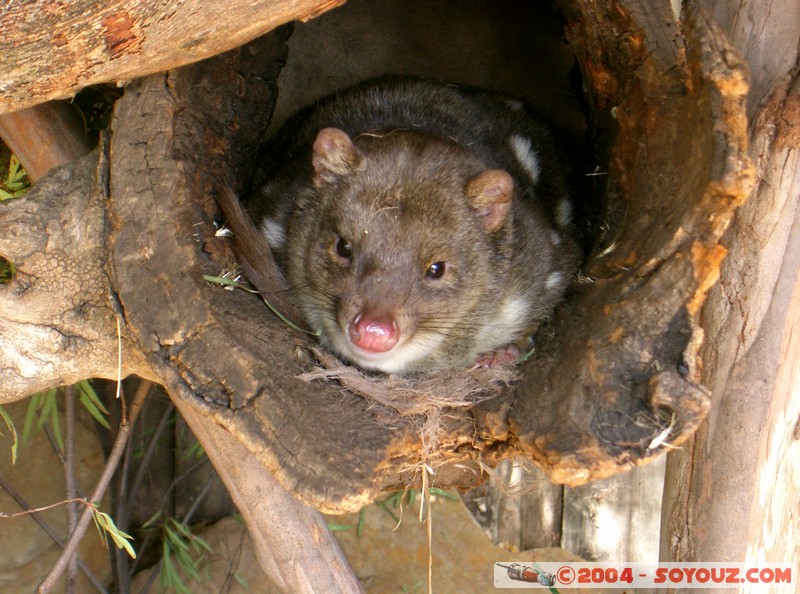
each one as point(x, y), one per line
point(401, 200)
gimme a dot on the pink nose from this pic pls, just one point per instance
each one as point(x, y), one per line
point(374, 334)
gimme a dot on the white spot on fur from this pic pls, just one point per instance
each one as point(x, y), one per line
point(555, 237)
point(514, 104)
point(274, 232)
point(553, 281)
point(512, 319)
point(564, 213)
point(526, 155)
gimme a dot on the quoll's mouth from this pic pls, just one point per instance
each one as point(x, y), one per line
point(405, 354)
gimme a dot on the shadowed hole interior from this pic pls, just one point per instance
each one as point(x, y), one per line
point(7, 271)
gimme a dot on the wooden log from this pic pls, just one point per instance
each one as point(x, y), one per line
point(519, 508)
point(732, 495)
point(631, 337)
point(51, 51)
point(44, 136)
point(616, 519)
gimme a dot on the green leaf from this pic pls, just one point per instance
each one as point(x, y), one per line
point(392, 501)
point(7, 269)
point(16, 182)
point(91, 402)
point(169, 575)
point(183, 554)
point(175, 540)
point(361, 518)
point(15, 170)
point(45, 405)
point(201, 544)
point(193, 452)
point(30, 415)
point(442, 493)
point(14, 440)
point(49, 414)
point(121, 539)
point(188, 536)
point(241, 579)
point(152, 520)
point(48, 407)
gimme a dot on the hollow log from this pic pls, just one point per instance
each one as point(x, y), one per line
point(622, 351)
point(125, 235)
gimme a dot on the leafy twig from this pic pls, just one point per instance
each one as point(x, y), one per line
point(47, 529)
point(220, 280)
point(111, 465)
point(15, 182)
point(69, 479)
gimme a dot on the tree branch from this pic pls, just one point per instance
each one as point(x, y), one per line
point(51, 54)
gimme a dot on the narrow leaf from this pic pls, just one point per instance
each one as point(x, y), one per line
point(30, 415)
point(14, 440)
point(92, 403)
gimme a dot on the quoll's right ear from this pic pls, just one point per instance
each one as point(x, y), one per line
point(334, 155)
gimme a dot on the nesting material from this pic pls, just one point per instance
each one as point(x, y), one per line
point(410, 396)
point(427, 401)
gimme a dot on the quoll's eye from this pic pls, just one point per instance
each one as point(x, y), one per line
point(436, 270)
point(343, 249)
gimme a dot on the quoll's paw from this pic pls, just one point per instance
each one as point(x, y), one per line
point(504, 356)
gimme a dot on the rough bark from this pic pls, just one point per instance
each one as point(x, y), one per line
point(671, 118)
point(51, 50)
point(58, 318)
point(292, 542)
point(733, 494)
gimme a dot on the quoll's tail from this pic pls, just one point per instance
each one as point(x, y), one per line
point(254, 254)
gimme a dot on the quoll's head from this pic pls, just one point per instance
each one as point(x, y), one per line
point(397, 268)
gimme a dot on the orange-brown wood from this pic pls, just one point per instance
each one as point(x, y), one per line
point(50, 50)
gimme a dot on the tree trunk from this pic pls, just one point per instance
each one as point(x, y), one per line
point(733, 494)
point(44, 136)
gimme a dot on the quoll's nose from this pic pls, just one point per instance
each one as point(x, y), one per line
point(376, 334)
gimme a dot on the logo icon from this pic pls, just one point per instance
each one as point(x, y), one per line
point(524, 573)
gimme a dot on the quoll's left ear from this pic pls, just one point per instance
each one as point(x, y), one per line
point(490, 195)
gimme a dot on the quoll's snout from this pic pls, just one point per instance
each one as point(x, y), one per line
point(373, 333)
